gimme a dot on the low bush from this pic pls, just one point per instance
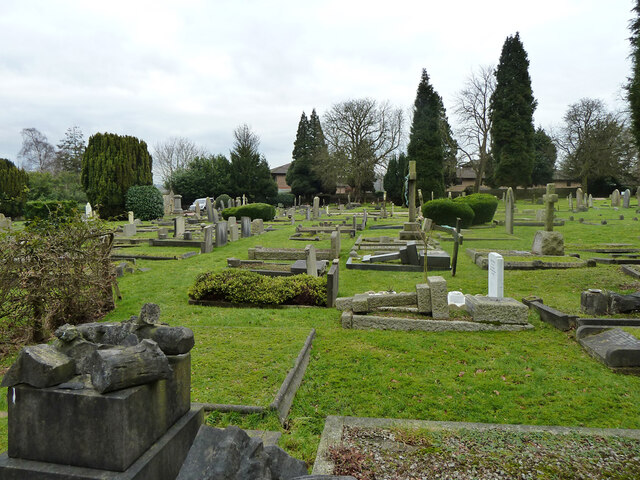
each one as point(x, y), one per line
point(483, 205)
point(254, 210)
point(51, 210)
point(50, 276)
point(444, 212)
point(222, 201)
point(242, 286)
point(286, 199)
point(145, 201)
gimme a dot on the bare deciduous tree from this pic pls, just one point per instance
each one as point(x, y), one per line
point(173, 154)
point(36, 152)
point(472, 112)
point(361, 135)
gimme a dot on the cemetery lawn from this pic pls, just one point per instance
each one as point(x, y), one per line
point(538, 377)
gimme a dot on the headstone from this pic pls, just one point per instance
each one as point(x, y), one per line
point(231, 221)
point(257, 226)
point(312, 264)
point(178, 226)
point(177, 204)
point(384, 204)
point(548, 243)
point(188, 235)
point(238, 201)
point(585, 202)
point(221, 234)
point(207, 243)
point(579, 199)
point(626, 198)
point(308, 213)
point(316, 208)
point(129, 229)
point(449, 195)
point(209, 207)
point(245, 224)
point(412, 191)
point(570, 202)
point(393, 209)
point(216, 216)
point(130, 216)
point(439, 301)
point(420, 198)
point(326, 209)
point(197, 210)
point(234, 232)
point(335, 243)
point(590, 201)
point(615, 198)
point(162, 234)
point(89, 212)
point(168, 203)
point(364, 219)
point(550, 198)
point(508, 214)
point(496, 275)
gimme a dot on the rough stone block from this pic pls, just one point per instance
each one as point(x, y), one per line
point(344, 303)
point(40, 366)
point(423, 294)
point(346, 319)
point(548, 243)
point(496, 310)
point(391, 300)
point(594, 302)
point(439, 302)
point(360, 303)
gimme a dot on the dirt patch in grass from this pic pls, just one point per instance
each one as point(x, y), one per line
point(380, 454)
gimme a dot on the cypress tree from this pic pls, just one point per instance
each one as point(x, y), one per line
point(395, 177)
point(13, 191)
point(511, 110)
point(428, 142)
point(309, 153)
point(633, 87)
point(110, 165)
point(545, 158)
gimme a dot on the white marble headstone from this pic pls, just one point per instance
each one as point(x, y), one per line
point(496, 275)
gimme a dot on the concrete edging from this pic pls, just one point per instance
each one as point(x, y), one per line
point(334, 425)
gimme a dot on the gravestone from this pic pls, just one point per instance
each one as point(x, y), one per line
point(548, 242)
point(615, 198)
point(384, 204)
point(585, 202)
point(245, 224)
point(197, 211)
point(449, 195)
point(307, 213)
point(312, 264)
point(496, 275)
point(614, 347)
point(364, 218)
point(432, 195)
point(162, 233)
point(207, 243)
point(316, 208)
point(257, 226)
point(234, 232)
point(168, 203)
point(244, 199)
point(420, 198)
point(393, 208)
point(130, 216)
point(439, 300)
point(88, 211)
point(335, 243)
point(238, 201)
point(208, 205)
point(129, 229)
point(590, 201)
point(221, 234)
point(411, 189)
point(626, 198)
point(579, 199)
point(177, 204)
point(216, 217)
point(570, 202)
point(508, 213)
point(231, 221)
point(178, 227)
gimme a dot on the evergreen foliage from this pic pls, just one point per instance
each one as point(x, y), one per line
point(53, 211)
point(145, 201)
point(544, 161)
point(286, 199)
point(46, 186)
point(633, 87)
point(222, 201)
point(308, 149)
point(13, 188)
point(394, 179)
point(202, 177)
point(512, 106)
point(430, 141)
point(484, 206)
point(251, 173)
point(112, 164)
point(444, 211)
point(253, 210)
point(70, 151)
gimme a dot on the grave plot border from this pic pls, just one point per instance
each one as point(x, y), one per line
point(124, 256)
point(334, 426)
point(618, 357)
point(391, 267)
point(481, 259)
point(283, 399)
point(631, 270)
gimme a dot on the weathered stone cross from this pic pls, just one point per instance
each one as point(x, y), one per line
point(550, 198)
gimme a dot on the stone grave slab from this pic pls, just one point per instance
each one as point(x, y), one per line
point(496, 310)
point(614, 347)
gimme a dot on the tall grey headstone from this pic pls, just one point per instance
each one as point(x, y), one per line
point(590, 201)
point(221, 234)
point(626, 198)
point(244, 199)
point(496, 275)
point(216, 216)
point(257, 226)
point(615, 198)
point(308, 213)
point(316, 208)
point(234, 232)
point(197, 211)
point(312, 264)
point(88, 210)
point(177, 204)
point(209, 206)
point(178, 227)
point(207, 244)
point(508, 214)
point(245, 224)
point(579, 199)
point(335, 244)
point(129, 229)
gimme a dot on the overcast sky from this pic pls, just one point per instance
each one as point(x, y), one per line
point(198, 69)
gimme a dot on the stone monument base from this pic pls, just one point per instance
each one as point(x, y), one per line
point(161, 461)
point(548, 243)
point(411, 231)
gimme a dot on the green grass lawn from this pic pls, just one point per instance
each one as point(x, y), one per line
point(538, 377)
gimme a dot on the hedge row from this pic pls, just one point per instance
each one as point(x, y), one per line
point(242, 286)
point(50, 210)
point(254, 210)
point(483, 205)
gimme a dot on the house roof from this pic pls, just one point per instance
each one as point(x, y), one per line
point(281, 170)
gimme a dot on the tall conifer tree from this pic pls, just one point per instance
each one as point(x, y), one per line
point(428, 141)
point(13, 192)
point(309, 149)
point(512, 106)
point(633, 87)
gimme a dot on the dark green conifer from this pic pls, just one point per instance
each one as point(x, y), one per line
point(13, 188)
point(633, 87)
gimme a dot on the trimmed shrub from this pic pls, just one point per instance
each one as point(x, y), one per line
point(51, 210)
point(286, 199)
point(254, 210)
point(483, 205)
point(13, 191)
point(444, 212)
point(242, 286)
point(222, 201)
point(145, 201)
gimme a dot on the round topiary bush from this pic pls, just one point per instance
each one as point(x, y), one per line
point(145, 201)
point(222, 201)
point(254, 210)
point(483, 205)
point(444, 212)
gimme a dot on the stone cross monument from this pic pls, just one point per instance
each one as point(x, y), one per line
point(550, 198)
